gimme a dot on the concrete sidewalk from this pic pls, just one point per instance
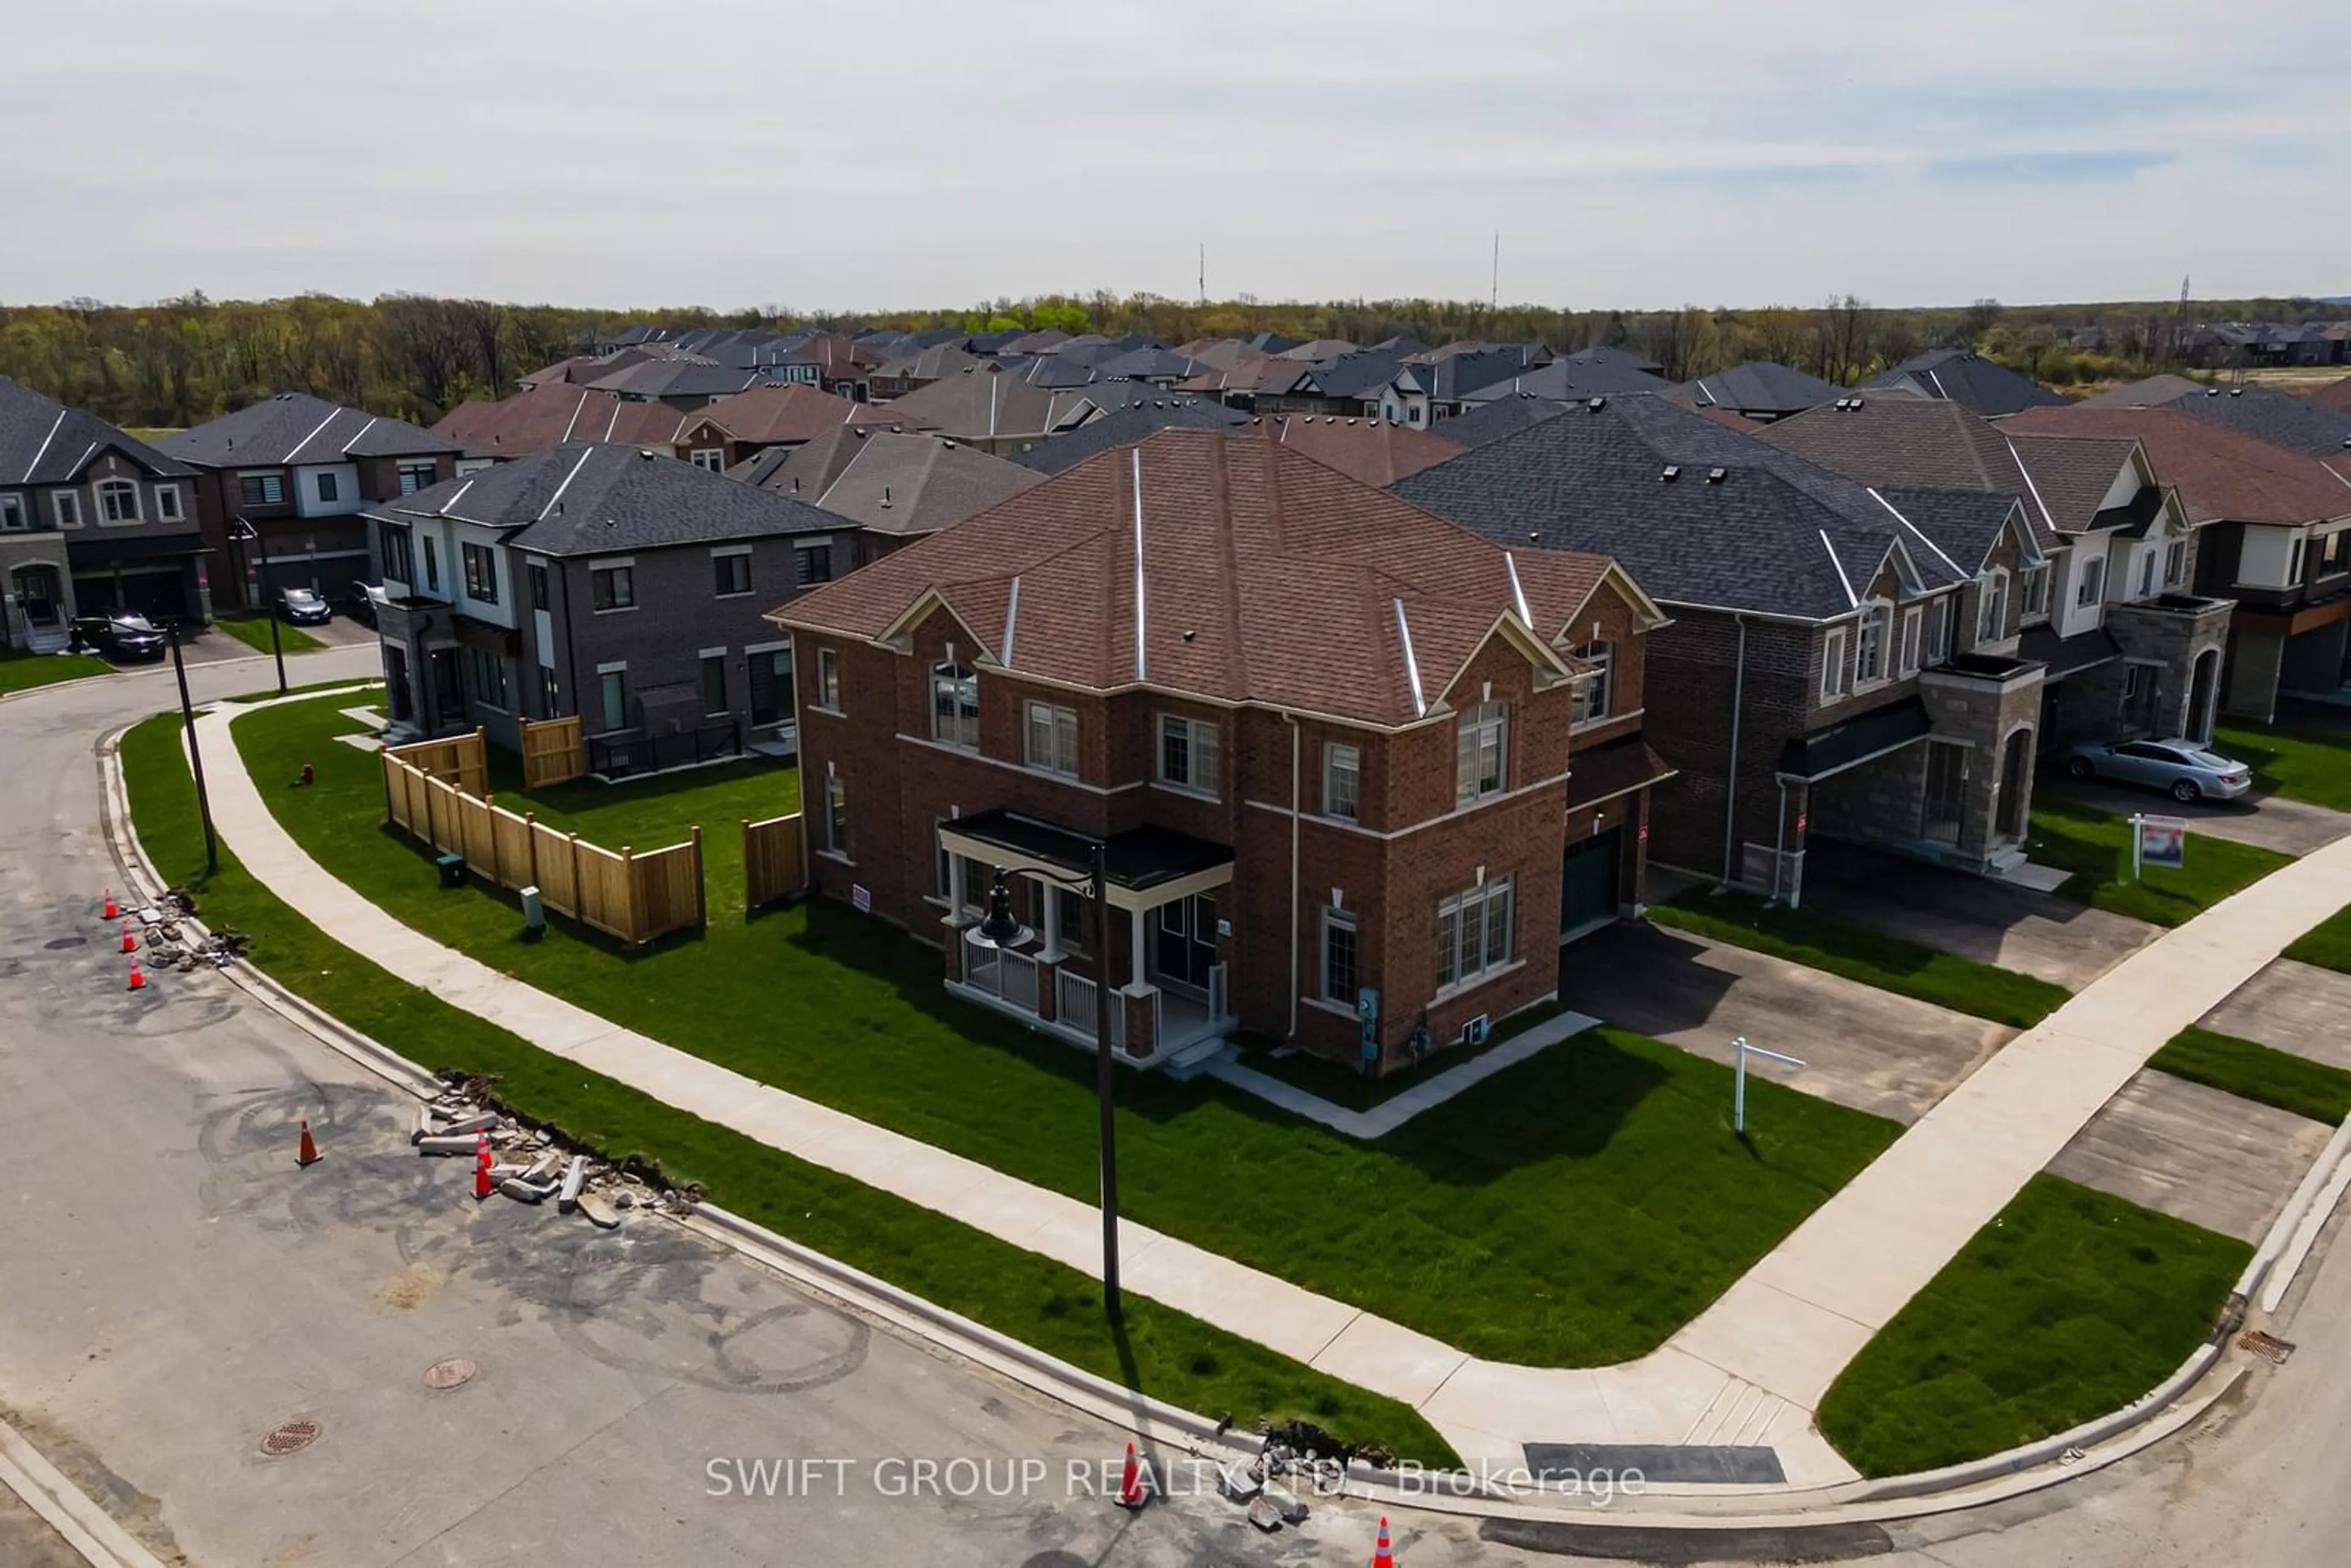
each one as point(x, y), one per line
point(1747, 1371)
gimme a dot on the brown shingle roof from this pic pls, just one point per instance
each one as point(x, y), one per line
point(1266, 577)
point(2220, 473)
point(2334, 394)
point(907, 484)
point(779, 414)
point(557, 411)
point(1373, 451)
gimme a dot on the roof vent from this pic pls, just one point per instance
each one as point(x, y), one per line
point(885, 495)
point(2236, 392)
point(1716, 476)
point(1843, 402)
point(947, 443)
point(1596, 404)
point(2211, 392)
point(1534, 536)
point(1673, 472)
point(1189, 634)
point(1856, 403)
point(285, 397)
point(646, 452)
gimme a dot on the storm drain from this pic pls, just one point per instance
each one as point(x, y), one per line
point(454, 1372)
point(2269, 1347)
point(290, 1439)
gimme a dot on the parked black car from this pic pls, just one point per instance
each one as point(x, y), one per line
point(303, 606)
point(126, 635)
point(367, 600)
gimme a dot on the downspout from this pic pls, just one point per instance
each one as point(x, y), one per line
point(1295, 741)
point(571, 651)
point(1731, 784)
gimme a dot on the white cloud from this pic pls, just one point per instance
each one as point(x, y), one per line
point(842, 153)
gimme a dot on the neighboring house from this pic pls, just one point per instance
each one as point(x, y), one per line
point(1503, 416)
point(773, 414)
point(551, 414)
point(896, 487)
point(1843, 661)
point(90, 520)
point(2282, 419)
point(2127, 648)
point(2275, 537)
point(992, 409)
point(681, 385)
point(1595, 372)
point(1437, 383)
point(837, 364)
point(1263, 382)
point(1370, 450)
point(1127, 426)
point(1967, 378)
point(608, 581)
point(1355, 769)
point(914, 371)
point(1760, 390)
point(280, 485)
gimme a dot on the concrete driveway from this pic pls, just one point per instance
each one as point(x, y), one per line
point(1996, 923)
point(2297, 1007)
point(2265, 822)
point(2197, 1154)
point(1867, 1049)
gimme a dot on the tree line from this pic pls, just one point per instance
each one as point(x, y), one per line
point(180, 362)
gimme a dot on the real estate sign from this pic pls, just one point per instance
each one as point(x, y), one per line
point(2163, 841)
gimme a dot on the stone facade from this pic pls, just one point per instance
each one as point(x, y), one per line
point(2168, 637)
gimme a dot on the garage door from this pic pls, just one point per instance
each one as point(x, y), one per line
point(1587, 890)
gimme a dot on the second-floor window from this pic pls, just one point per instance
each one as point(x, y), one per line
point(612, 587)
point(2090, 582)
point(262, 489)
point(2175, 563)
point(710, 457)
point(1869, 657)
point(828, 679)
point(167, 503)
point(2032, 591)
point(481, 573)
point(12, 513)
point(539, 597)
point(1991, 606)
point(432, 565)
point(2333, 554)
point(1939, 611)
point(811, 564)
point(955, 706)
point(68, 508)
point(732, 572)
point(1592, 697)
point(1052, 740)
point(399, 558)
point(1190, 753)
point(414, 476)
point(1914, 621)
point(1833, 666)
point(1342, 781)
point(1481, 753)
point(330, 489)
point(118, 501)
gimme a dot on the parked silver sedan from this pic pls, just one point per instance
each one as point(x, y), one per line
point(2181, 768)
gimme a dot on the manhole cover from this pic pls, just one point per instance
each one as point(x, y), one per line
point(454, 1373)
point(291, 1438)
point(56, 943)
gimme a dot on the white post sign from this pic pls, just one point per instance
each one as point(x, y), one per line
point(1742, 1050)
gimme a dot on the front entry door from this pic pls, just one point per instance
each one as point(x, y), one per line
point(395, 682)
point(1188, 940)
point(37, 586)
point(1587, 884)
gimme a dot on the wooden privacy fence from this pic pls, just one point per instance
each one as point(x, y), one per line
point(552, 752)
point(636, 897)
point(772, 868)
point(460, 759)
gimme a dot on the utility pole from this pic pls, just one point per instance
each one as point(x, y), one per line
point(195, 751)
point(1204, 272)
point(1494, 298)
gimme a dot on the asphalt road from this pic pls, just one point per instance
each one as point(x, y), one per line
point(172, 1289)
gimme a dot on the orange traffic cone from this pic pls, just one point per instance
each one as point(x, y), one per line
point(309, 1154)
point(1130, 1481)
point(130, 943)
point(111, 911)
point(1382, 1557)
point(138, 980)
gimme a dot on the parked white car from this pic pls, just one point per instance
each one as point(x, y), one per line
point(2183, 769)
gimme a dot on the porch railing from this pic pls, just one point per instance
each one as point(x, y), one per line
point(1009, 976)
point(1073, 1008)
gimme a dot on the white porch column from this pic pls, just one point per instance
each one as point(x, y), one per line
point(954, 888)
point(1052, 923)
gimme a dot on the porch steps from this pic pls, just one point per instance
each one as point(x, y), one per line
point(52, 641)
point(1195, 1059)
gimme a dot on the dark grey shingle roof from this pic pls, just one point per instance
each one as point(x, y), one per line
point(1503, 416)
point(1127, 424)
point(1571, 380)
point(296, 428)
point(588, 497)
point(2282, 419)
point(1761, 386)
point(1968, 379)
point(44, 443)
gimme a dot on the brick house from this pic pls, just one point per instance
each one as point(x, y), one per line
point(90, 520)
point(280, 485)
point(2275, 526)
point(1843, 659)
point(1356, 768)
point(612, 583)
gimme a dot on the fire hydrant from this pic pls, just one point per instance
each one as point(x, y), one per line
point(310, 774)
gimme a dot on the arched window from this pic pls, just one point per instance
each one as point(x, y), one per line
point(118, 501)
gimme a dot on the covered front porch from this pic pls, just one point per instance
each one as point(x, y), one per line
point(1168, 957)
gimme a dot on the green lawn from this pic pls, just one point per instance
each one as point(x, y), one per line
point(2326, 944)
point(252, 629)
point(21, 671)
point(1573, 1210)
point(2255, 1072)
point(1161, 1351)
point(357, 699)
point(2096, 848)
point(2070, 1305)
point(2300, 764)
point(1889, 963)
point(1342, 1085)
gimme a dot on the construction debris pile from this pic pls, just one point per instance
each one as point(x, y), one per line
point(1271, 1486)
point(170, 945)
point(529, 1166)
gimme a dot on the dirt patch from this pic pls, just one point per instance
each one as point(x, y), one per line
point(412, 1288)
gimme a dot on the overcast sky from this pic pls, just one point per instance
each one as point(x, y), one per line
point(819, 154)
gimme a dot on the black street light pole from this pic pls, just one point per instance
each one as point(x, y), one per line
point(195, 752)
point(277, 652)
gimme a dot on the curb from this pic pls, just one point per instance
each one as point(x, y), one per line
point(1974, 1483)
point(65, 1507)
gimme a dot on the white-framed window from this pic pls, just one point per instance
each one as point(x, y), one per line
point(1833, 666)
point(2089, 582)
point(731, 572)
point(955, 706)
point(609, 587)
point(67, 506)
point(2147, 574)
point(1342, 781)
point(2294, 556)
point(2032, 590)
point(415, 477)
point(1940, 612)
point(836, 814)
point(1870, 642)
point(1992, 605)
point(1191, 753)
point(2333, 553)
point(2175, 563)
point(398, 552)
point(1914, 631)
point(167, 503)
point(1052, 739)
point(978, 876)
point(1339, 976)
point(330, 489)
point(1481, 753)
point(1474, 932)
point(12, 513)
point(480, 572)
point(713, 458)
point(828, 679)
point(118, 502)
point(1592, 698)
